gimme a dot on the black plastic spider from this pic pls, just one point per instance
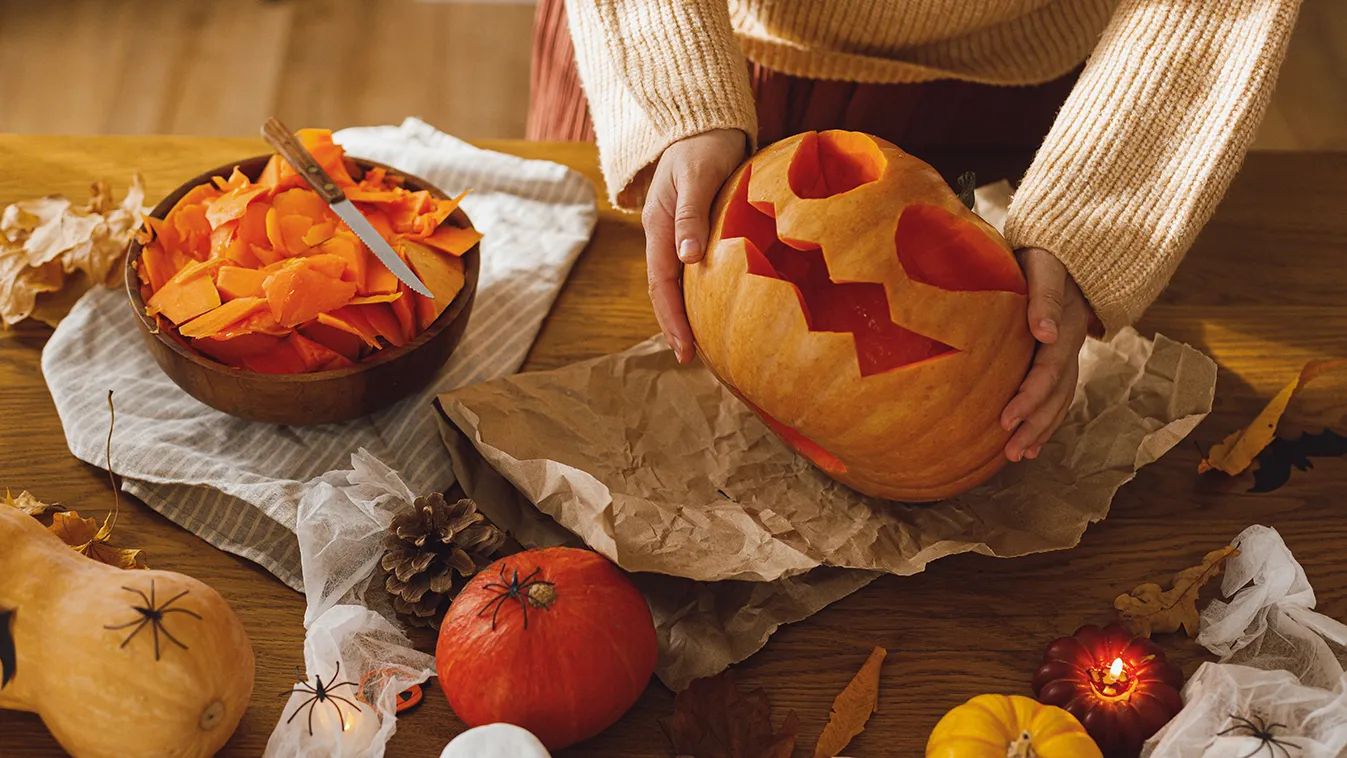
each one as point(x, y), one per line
point(322, 693)
point(1261, 730)
point(152, 615)
point(516, 589)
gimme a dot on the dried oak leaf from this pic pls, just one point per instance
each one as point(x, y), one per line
point(852, 708)
point(1237, 451)
point(1149, 609)
point(89, 539)
point(44, 240)
point(713, 719)
point(29, 504)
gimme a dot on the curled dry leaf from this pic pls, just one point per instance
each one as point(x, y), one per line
point(29, 504)
point(1236, 452)
point(852, 708)
point(50, 245)
point(713, 719)
point(1149, 608)
point(89, 539)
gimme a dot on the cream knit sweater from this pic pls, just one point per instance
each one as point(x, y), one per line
point(1136, 162)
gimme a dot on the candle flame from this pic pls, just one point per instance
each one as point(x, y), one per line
point(1115, 670)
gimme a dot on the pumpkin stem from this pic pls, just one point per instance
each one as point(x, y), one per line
point(1023, 747)
point(542, 594)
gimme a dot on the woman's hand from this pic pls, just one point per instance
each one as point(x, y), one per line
point(677, 222)
point(1058, 319)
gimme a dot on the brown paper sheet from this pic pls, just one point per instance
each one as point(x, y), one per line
point(660, 468)
point(703, 627)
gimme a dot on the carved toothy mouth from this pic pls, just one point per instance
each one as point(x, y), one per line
point(858, 308)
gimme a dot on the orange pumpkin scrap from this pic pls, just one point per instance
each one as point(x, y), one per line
point(263, 276)
point(874, 323)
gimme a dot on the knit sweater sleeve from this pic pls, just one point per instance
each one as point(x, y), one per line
point(654, 72)
point(1147, 143)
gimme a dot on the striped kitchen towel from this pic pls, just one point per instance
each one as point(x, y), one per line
point(237, 483)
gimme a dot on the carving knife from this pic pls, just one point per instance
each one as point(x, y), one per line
point(303, 161)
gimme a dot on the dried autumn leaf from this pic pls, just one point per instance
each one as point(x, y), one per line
point(29, 504)
point(713, 719)
point(44, 240)
point(20, 284)
point(1149, 609)
point(89, 539)
point(852, 708)
point(1237, 451)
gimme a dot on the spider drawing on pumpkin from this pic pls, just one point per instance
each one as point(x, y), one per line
point(1257, 728)
point(322, 693)
point(152, 615)
point(527, 591)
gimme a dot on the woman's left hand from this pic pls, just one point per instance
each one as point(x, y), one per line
point(1059, 319)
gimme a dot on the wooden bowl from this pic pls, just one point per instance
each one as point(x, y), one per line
point(380, 380)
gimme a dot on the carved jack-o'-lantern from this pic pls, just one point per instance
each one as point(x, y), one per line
point(871, 320)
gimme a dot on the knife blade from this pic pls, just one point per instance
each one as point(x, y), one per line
point(380, 247)
point(308, 167)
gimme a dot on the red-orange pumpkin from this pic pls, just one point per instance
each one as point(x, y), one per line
point(874, 323)
point(555, 640)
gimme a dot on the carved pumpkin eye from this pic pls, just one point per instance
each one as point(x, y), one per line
point(832, 163)
point(936, 247)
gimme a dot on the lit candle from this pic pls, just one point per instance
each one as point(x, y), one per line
point(1101, 676)
point(337, 725)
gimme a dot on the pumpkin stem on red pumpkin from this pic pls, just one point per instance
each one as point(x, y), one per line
point(528, 591)
point(542, 595)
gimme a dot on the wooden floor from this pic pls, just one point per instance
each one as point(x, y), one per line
point(220, 67)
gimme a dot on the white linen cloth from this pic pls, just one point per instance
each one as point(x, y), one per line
point(237, 483)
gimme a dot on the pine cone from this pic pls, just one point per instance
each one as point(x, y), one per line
point(425, 547)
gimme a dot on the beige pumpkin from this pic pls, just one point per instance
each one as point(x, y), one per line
point(104, 683)
point(871, 320)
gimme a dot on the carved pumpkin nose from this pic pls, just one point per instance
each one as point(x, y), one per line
point(875, 324)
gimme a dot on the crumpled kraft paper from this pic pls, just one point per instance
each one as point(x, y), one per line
point(703, 627)
point(661, 469)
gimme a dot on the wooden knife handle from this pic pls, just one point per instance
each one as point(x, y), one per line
point(290, 148)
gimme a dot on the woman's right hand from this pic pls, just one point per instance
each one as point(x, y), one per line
point(677, 221)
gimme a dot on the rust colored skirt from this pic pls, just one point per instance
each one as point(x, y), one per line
point(954, 125)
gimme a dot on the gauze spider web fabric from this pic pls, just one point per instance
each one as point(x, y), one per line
point(1281, 669)
point(341, 522)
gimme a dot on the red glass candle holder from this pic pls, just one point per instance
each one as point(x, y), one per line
point(1121, 688)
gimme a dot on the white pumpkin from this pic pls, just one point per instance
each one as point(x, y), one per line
point(495, 741)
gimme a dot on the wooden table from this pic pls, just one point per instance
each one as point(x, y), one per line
point(1263, 291)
